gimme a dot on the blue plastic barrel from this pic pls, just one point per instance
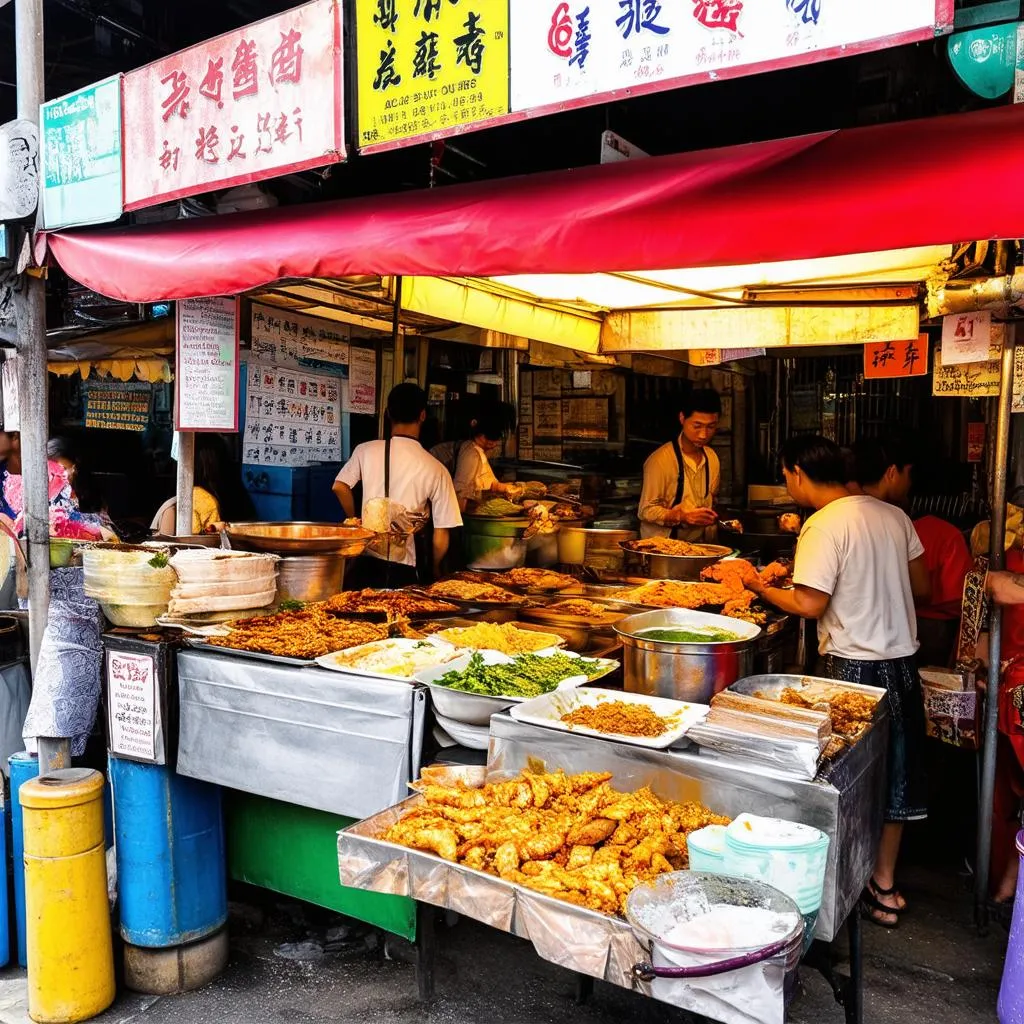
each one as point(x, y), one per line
point(171, 869)
point(23, 767)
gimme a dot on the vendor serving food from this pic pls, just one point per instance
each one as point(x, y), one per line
point(681, 479)
point(468, 461)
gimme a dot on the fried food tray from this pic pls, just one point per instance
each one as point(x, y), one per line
point(581, 940)
point(275, 659)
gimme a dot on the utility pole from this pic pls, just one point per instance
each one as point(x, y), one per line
point(33, 396)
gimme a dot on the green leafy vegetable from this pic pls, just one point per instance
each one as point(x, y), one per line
point(291, 605)
point(529, 675)
point(159, 560)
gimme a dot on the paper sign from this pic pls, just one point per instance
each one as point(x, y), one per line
point(254, 103)
point(131, 696)
point(360, 396)
point(426, 66)
point(283, 338)
point(978, 380)
point(966, 337)
point(81, 156)
point(547, 417)
point(975, 442)
point(887, 359)
point(19, 169)
point(206, 385)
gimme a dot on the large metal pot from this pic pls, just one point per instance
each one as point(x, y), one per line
point(679, 567)
point(692, 672)
point(310, 577)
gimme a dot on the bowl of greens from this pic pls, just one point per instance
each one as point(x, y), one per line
point(478, 685)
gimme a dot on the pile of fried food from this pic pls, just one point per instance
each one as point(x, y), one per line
point(581, 608)
point(572, 837)
point(851, 712)
point(506, 638)
point(392, 603)
point(536, 579)
point(668, 546)
point(620, 718)
point(305, 635)
point(465, 590)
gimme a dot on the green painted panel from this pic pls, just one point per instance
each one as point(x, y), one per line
point(294, 850)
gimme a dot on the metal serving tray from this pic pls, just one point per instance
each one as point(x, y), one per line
point(273, 659)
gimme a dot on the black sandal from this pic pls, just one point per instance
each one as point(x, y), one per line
point(871, 906)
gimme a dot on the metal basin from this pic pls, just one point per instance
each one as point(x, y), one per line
point(299, 538)
point(692, 672)
point(310, 577)
point(679, 567)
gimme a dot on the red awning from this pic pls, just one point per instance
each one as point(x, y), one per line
point(927, 182)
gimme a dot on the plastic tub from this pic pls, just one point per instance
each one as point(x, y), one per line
point(725, 948)
point(706, 849)
point(594, 547)
point(784, 854)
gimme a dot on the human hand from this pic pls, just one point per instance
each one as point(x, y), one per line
point(1005, 587)
point(699, 517)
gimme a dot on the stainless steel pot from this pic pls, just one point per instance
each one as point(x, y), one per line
point(692, 672)
point(679, 567)
point(310, 577)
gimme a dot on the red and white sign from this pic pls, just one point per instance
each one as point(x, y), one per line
point(966, 337)
point(975, 442)
point(131, 699)
point(569, 53)
point(884, 360)
point(251, 104)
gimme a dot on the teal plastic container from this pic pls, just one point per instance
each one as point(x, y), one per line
point(706, 848)
point(785, 854)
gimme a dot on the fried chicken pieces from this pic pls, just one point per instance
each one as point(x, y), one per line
point(572, 837)
point(735, 575)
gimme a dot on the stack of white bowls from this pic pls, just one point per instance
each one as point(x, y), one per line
point(209, 580)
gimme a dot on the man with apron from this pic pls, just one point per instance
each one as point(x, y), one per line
point(681, 479)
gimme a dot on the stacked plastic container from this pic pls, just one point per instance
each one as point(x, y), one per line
point(132, 585)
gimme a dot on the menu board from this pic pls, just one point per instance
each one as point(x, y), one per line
point(285, 338)
point(292, 417)
point(206, 392)
point(361, 391)
point(117, 405)
point(131, 698)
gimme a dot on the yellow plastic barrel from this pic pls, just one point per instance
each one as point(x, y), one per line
point(70, 956)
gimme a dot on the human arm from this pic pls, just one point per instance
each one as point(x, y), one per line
point(442, 539)
point(1005, 587)
point(920, 580)
point(346, 498)
point(168, 526)
point(815, 577)
point(807, 602)
point(659, 487)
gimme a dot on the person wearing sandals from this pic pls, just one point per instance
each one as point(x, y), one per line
point(858, 570)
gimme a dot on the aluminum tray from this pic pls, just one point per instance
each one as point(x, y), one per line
point(274, 659)
point(575, 938)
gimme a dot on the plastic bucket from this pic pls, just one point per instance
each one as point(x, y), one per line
point(706, 849)
point(785, 854)
point(725, 948)
point(596, 548)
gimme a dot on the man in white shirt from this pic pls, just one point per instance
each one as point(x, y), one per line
point(417, 481)
point(859, 568)
point(682, 478)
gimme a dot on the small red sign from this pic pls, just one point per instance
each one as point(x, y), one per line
point(887, 359)
point(975, 442)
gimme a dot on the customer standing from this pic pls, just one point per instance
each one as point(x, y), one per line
point(399, 470)
point(682, 478)
point(859, 567)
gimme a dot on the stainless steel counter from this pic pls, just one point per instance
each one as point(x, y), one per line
point(331, 741)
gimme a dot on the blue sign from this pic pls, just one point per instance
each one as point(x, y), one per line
point(80, 147)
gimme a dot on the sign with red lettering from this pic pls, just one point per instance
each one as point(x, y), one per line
point(975, 442)
point(131, 703)
point(886, 359)
point(251, 104)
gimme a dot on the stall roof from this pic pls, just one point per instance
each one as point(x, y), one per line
point(857, 190)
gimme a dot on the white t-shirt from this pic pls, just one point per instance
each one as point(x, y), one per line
point(858, 549)
point(473, 475)
point(418, 481)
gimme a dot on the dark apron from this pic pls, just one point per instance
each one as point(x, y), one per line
point(681, 489)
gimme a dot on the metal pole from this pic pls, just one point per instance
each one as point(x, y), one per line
point(186, 481)
point(32, 380)
point(995, 638)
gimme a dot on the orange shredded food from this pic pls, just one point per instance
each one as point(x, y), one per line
point(619, 717)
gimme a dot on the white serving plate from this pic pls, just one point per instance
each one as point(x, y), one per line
point(547, 711)
point(475, 708)
point(337, 662)
point(476, 737)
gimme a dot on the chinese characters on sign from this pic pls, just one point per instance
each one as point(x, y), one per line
point(292, 417)
point(81, 156)
point(579, 50)
point(206, 357)
point(131, 697)
point(247, 105)
point(116, 405)
point(429, 66)
point(966, 337)
point(887, 359)
point(283, 338)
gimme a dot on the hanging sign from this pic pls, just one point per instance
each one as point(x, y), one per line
point(131, 698)
point(975, 442)
point(884, 360)
point(980, 380)
point(251, 104)
point(428, 67)
point(283, 338)
point(966, 337)
point(360, 392)
point(577, 52)
point(81, 156)
point(985, 59)
point(117, 405)
point(206, 373)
